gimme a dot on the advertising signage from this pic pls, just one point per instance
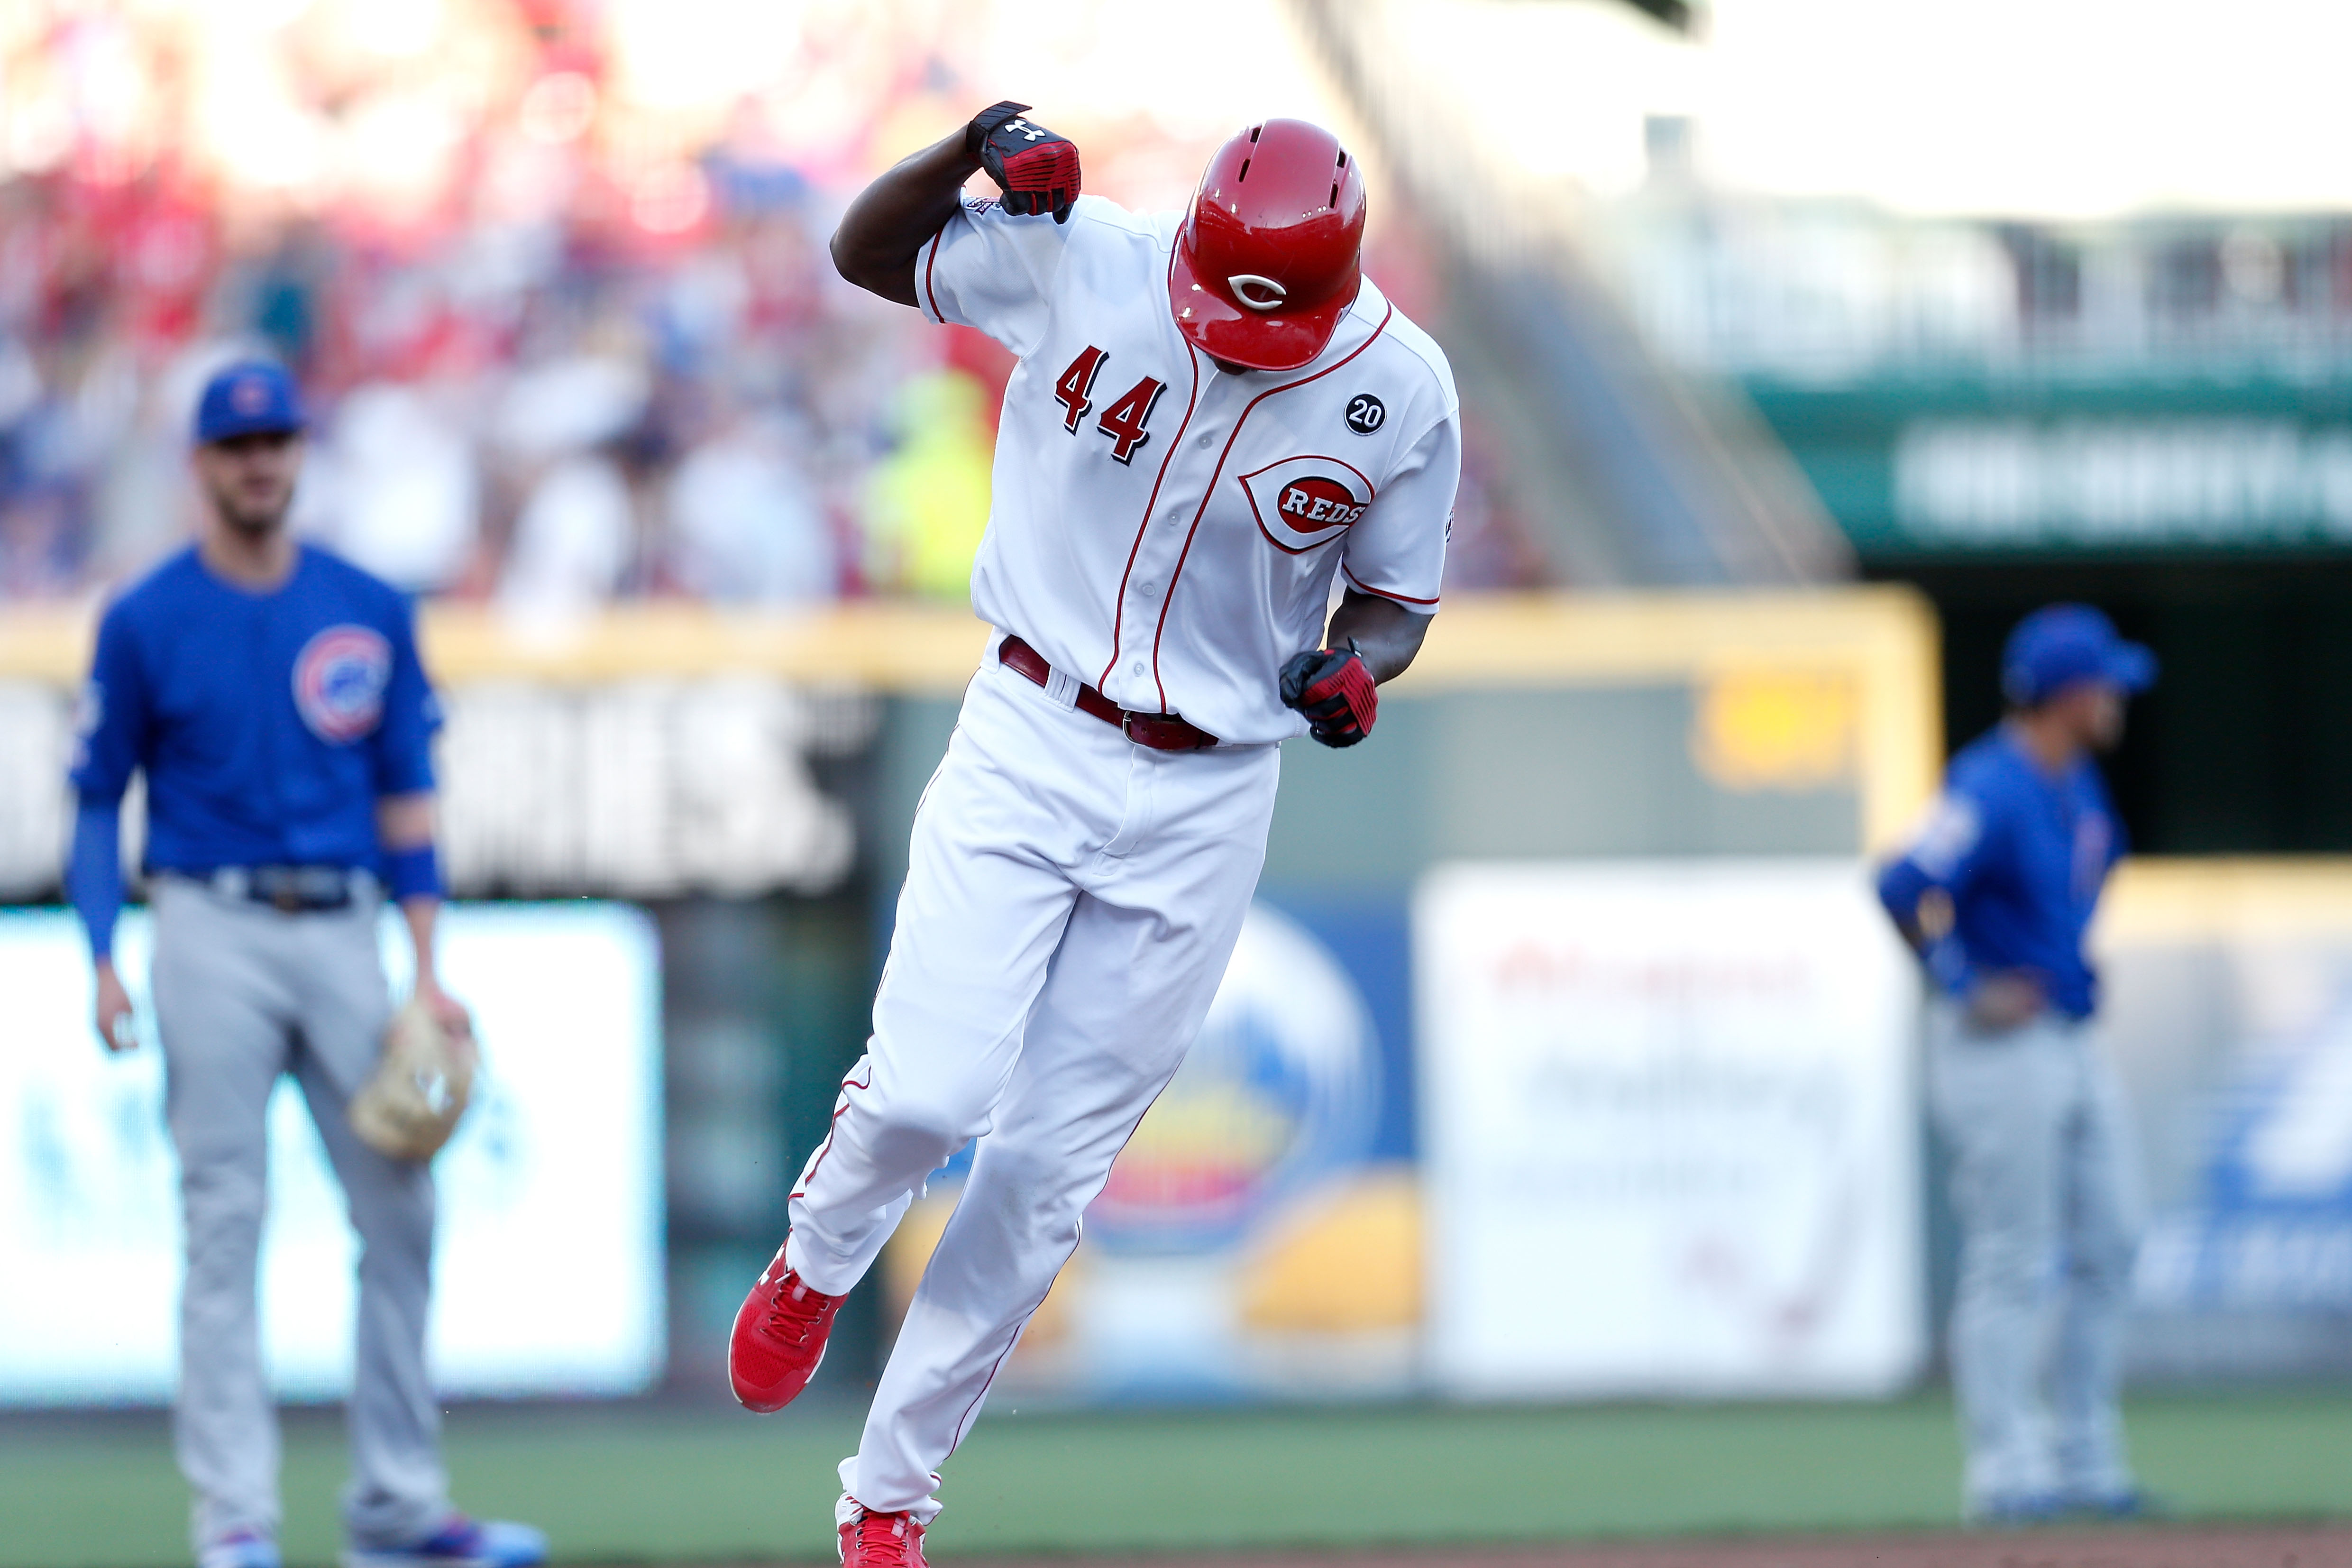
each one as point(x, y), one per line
point(1987, 464)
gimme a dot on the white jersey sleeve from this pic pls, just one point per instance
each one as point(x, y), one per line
point(1398, 550)
point(989, 269)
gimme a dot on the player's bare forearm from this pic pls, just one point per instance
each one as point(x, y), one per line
point(405, 822)
point(422, 914)
point(885, 227)
point(1930, 923)
point(113, 1013)
point(1387, 636)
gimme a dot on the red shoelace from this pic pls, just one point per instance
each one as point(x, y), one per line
point(795, 1310)
point(887, 1540)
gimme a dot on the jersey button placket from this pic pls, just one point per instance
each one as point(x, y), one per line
point(1152, 575)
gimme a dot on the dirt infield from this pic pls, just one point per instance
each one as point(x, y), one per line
point(2173, 1546)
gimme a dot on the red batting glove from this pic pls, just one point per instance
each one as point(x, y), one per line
point(1334, 690)
point(1037, 169)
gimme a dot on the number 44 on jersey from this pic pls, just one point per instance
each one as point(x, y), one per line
point(1124, 420)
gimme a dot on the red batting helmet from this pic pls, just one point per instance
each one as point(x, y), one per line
point(1266, 261)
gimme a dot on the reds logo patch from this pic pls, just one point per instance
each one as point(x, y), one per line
point(339, 682)
point(1304, 502)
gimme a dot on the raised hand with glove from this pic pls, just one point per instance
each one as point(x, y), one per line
point(895, 216)
point(1037, 169)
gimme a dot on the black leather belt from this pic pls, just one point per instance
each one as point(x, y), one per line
point(289, 889)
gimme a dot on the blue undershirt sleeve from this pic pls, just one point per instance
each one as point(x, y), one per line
point(94, 874)
point(110, 745)
point(110, 725)
point(1901, 884)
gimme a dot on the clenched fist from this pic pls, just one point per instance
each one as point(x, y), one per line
point(1037, 169)
point(1334, 690)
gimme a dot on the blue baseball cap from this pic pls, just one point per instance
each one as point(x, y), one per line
point(2061, 645)
point(252, 397)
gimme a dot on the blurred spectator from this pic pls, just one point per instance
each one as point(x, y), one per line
point(397, 491)
point(35, 542)
point(566, 317)
point(575, 540)
point(927, 504)
point(550, 414)
point(744, 522)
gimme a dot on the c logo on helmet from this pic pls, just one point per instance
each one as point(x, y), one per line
point(339, 682)
point(1252, 292)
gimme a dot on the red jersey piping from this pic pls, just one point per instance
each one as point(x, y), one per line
point(1218, 472)
point(1118, 607)
point(1383, 593)
point(929, 288)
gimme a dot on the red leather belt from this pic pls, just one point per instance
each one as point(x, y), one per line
point(1161, 732)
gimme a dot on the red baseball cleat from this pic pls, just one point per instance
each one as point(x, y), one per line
point(882, 1541)
point(779, 1339)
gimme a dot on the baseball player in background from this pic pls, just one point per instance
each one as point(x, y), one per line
point(1995, 895)
point(1214, 422)
point(272, 695)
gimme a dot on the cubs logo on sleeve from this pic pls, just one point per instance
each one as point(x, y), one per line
point(1303, 502)
point(339, 682)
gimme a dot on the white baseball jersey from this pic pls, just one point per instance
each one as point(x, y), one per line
point(1167, 532)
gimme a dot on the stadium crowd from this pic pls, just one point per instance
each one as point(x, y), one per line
point(552, 276)
point(546, 416)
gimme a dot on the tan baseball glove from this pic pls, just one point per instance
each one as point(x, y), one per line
point(409, 1108)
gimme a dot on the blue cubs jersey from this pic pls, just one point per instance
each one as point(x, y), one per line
point(2024, 856)
point(268, 723)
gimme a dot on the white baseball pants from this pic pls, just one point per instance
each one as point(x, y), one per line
point(2044, 1192)
point(1071, 901)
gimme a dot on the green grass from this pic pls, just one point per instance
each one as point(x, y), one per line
point(621, 1485)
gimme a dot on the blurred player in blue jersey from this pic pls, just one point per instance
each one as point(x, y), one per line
point(1995, 895)
point(272, 695)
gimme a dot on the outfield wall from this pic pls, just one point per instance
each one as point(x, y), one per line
point(1566, 990)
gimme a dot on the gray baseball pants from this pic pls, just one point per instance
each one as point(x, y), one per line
point(243, 993)
point(2044, 1191)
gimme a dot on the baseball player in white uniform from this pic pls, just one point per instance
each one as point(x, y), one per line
point(1215, 421)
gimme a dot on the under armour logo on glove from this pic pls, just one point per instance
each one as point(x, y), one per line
point(1037, 169)
point(1334, 690)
